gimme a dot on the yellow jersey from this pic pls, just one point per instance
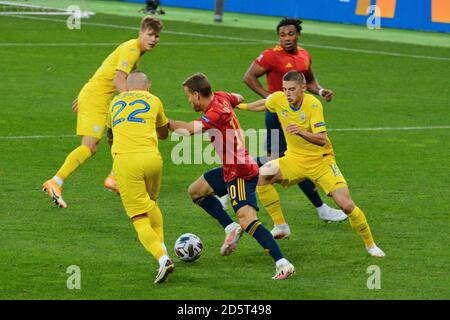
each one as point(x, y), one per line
point(308, 116)
point(134, 117)
point(124, 58)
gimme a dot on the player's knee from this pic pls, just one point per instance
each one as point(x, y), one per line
point(195, 192)
point(91, 143)
point(191, 191)
point(246, 215)
point(93, 149)
point(347, 205)
point(91, 146)
point(139, 217)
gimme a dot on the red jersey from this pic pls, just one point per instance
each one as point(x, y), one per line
point(222, 125)
point(276, 61)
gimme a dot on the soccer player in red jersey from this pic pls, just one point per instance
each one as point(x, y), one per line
point(238, 175)
point(274, 63)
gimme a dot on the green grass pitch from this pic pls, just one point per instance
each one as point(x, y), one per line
point(400, 178)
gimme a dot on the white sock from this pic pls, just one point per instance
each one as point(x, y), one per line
point(281, 262)
point(230, 227)
point(164, 248)
point(283, 225)
point(58, 180)
point(162, 260)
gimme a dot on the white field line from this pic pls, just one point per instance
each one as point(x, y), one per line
point(256, 41)
point(108, 44)
point(331, 130)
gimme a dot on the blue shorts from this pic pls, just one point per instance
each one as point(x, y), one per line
point(273, 123)
point(242, 192)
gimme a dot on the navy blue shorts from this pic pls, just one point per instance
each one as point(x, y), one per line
point(272, 123)
point(242, 192)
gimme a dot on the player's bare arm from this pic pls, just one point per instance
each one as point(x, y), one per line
point(109, 134)
point(163, 132)
point(251, 76)
point(185, 128)
point(75, 105)
point(120, 81)
point(319, 138)
point(313, 86)
point(256, 106)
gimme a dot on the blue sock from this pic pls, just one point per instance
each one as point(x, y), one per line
point(257, 230)
point(309, 189)
point(213, 206)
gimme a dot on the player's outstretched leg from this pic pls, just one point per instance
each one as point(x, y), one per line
point(202, 193)
point(271, 201)
point(357, 220)
point(214, 208)
point(75, 159)
point(151, 241)
point(255, 228)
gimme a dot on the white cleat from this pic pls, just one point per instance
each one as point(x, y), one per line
point(283, 272)
point(233, 233)
point(374, 251)
point(329, 214)
point(281, 231)
point(164, 271)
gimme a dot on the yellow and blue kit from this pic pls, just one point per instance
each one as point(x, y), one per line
point(303, 159)
point(95, 97)
point(134, 117)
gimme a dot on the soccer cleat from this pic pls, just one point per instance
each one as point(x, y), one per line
point(54, 191)
point(283, 272)
point(111, 184)
point(164, 271)
point(374, 251)
point(232, 237)
point(329, 214)
point(281, 231)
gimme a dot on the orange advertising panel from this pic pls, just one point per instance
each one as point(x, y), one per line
point(361, 7)
point(387, 8)
point(440, 11)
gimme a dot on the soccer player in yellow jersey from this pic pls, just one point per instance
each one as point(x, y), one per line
point(307, 156)
point(94, 99)
point(137, 120)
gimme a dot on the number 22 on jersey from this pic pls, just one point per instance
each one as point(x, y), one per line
point(120, 105)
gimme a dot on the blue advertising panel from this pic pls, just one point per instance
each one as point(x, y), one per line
point(430, 15)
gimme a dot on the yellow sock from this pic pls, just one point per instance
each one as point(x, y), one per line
point(75, 159)
point(361, 226)
point(271, 201)
point(156, 221)
point(148, 237)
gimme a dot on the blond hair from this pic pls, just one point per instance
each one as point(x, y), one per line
point(151, 23)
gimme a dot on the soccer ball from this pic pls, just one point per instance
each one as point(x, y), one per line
point(188, 247)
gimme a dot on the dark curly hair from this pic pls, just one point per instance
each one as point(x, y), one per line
point(290, 22)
